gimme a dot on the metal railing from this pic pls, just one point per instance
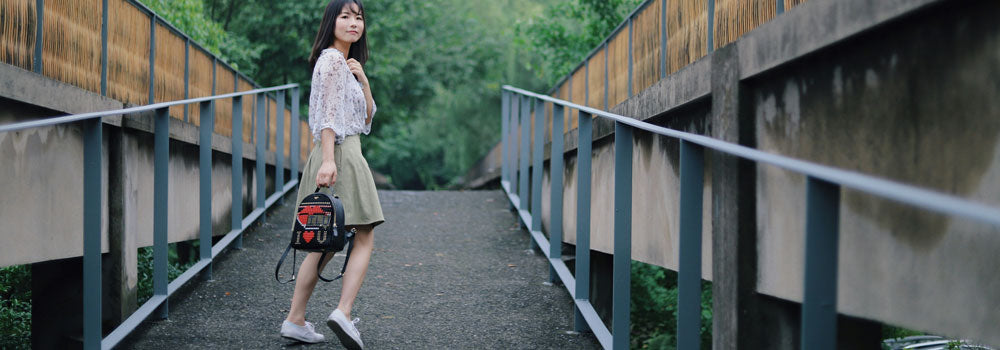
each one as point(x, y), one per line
point(92, 134)
point(823, 187)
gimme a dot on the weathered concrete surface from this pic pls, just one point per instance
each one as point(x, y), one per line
point(814, 25)
point(450, 271)
point(901, 89)
point(914, 102)
point(735, 313)
point(42, 201)
point(655, 196)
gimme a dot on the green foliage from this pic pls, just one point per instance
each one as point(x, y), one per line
point(144, 287)
point(567, 31)
point(15, 307)
point(654, 308)
point(890, 332)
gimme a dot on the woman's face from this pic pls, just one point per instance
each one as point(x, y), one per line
point(350, 24)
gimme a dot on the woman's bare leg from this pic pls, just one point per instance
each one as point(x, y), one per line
point(357, 267)
point(305, 282)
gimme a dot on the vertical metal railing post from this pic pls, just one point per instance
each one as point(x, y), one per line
point(621, 293)
point(160, 195)
point(606, 106)
point(39, 30)
point(104, 47)
point(207, 113)
point(711, 25)
point(261, 142)
point(819, 302)
point(92, 189)
point(152, 57)
point(556, 198)
point(279, 145)
point(504, 112)
point(525, 120)
point(187, 75)
point(630, 25)
point(689, 267)
point(514, 121)
point(583, 160)
point(537, 161)
point(663, 39)
point(296, 148)
point(586, 84)
point(236, 210)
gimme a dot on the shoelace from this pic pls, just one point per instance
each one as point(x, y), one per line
point(310, 327)
point(354, 325)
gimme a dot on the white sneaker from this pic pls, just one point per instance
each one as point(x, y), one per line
point(346, 331)
point(305, 333)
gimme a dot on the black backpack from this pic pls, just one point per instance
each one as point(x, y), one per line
point(318, 227)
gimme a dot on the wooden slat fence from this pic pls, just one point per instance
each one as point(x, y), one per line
point(686, 41)
point(71, 53)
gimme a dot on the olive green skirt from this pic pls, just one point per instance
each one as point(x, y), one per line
point(354, 185)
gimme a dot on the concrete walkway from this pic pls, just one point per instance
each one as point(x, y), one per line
point(451, 270)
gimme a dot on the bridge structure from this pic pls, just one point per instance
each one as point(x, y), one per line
point(829, 165)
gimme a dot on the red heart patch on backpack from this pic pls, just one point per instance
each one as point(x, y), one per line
point(308, 236)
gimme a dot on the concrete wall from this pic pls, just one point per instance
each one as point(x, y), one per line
point(915, 103)
point(655, 197)
point(900, 89)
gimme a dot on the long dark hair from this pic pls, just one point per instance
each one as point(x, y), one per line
point(325, 36)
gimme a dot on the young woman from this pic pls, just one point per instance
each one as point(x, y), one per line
point(340, 108)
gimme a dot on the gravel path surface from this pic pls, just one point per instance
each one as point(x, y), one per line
point(451, 270)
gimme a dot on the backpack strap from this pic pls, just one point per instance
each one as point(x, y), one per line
point(338, 209)
point(350, 241)
point(282, 260)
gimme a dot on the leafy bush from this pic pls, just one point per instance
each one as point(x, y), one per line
point(15, 307)
point(174, 268)
point(654, 308)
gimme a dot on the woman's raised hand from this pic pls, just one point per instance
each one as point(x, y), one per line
point(358, 71)
point(327, 174)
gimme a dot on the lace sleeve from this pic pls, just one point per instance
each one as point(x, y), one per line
point(328, 99)
point(368, 127)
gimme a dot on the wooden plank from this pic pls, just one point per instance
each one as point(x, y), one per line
point(224, 107)
point(646, 47)
point(17, 36)
point(579, 83)
point(169, 84)
point(595, 84)
point(618, 68)
point(128, 53)
point(71, 48)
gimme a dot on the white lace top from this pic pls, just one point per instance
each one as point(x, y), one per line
point(336, 100)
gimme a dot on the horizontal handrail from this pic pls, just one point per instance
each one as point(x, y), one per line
point(86, 116)
point(924, 198)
